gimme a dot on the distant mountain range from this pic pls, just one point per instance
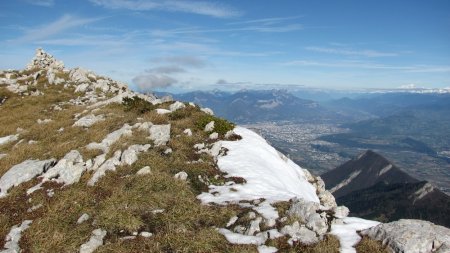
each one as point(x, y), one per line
point(249, 106)
point(373, 187)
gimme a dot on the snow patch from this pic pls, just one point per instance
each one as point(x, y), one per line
point(237, 238)
point(347, 232)
point(385, 169)
point(267, 175)
point(346, 181)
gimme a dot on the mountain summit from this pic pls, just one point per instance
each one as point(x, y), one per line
point(374, 188)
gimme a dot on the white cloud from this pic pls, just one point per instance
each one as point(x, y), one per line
point(194, 7)
point(64, 23)
point(340, 51)
point(183, 60)
point(148, 82)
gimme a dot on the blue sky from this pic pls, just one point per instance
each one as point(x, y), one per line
point(183, 45)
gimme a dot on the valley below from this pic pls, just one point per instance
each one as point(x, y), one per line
point(305, 144)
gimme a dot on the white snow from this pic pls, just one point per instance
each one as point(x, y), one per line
point(346, 233)
point(237, 238)
point(385, 169)
point(346, 181)
point(9, 138)
point(13, 237)
point(266, 249)
point(267, 175)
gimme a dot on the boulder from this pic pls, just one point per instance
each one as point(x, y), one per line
point(144, 171)
point(317, 223)
point(412, 236)
point(160, 134)
point(79, 75)
point(23, 172)
point(341, 212)
point(68, 170)
point(129, 156)
point(88, 120)
point(181, 175)
point(300, 233)
point(175, 106)
point(302, 209)
point(209, 127)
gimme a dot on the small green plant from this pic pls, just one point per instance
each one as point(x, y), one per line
point(137, 104)
point(179, 114)
point(221, 126)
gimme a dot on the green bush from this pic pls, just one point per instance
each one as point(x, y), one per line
point(221, 126)
point(137, 104)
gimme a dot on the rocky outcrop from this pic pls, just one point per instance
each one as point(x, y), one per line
point(23, 172)
point(412, 236)
point(160, 134)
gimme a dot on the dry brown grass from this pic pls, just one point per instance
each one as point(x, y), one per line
point(368, 245)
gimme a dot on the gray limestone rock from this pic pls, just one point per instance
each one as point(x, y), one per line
point(94, 242)
point(209, 127)
point(299, 233)
point(175, 106)
point(181, 175)
point(160, 134)
point(68, 170)
point(23, 172)
point(412, 236)
point(88, 120)
point(13, 237)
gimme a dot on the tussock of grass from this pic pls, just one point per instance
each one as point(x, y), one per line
point(221, 126)
point(368, 245)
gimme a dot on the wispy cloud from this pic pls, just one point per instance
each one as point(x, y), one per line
point(194, 7)
point(45, 3)
point(341, 51)
point(267, 21)
point(369, 65)
point(64, 23)
point(183, 60)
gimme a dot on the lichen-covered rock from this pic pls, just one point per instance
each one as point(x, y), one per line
point(412, 236)
point(23, 172)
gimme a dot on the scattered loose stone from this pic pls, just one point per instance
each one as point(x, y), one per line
point(181, 175)
point(144, 171)
point(209, 127)
point(299, 233)
point(188, 132)
point(94, 242)
point(129, 156)
point(108, 165)
point(44, 121)
point(146, 234)
point(33, 208)
point(168, 151)
point(341, 212)
point(111, 139)
point(232, 221)
point(84, 217)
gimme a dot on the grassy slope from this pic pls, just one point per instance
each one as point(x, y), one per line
point(121, 202)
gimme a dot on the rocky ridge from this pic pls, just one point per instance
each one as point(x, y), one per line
point(41, 183)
